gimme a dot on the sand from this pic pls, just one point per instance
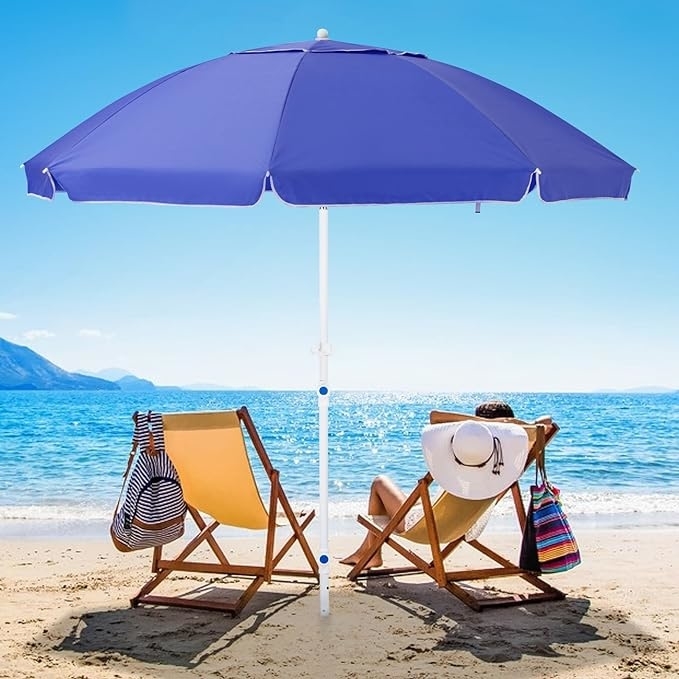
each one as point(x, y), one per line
point(64, 612)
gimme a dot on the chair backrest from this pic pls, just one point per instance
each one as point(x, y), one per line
point(208, 450)
point(454, 516)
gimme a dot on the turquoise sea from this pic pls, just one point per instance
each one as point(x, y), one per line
point(616, 458)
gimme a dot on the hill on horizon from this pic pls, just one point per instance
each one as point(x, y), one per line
point(110, 374)
point(128, 381)
point(24, 369)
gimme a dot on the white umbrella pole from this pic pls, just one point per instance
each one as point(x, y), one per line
point(323, 399)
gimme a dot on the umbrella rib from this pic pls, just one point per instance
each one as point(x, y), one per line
point(160, 81)
point(280, 119)
point(476, 108)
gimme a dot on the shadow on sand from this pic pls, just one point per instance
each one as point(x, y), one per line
point(174, 636)
point(405, 629)
point(507, 634)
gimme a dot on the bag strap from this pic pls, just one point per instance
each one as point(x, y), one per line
point(152, 450)
point(130, 458)
point(540, 454)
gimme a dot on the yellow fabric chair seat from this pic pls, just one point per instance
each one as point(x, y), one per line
point(208, 450)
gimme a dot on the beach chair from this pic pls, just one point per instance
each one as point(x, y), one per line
point(209, 452)
point(443, 527)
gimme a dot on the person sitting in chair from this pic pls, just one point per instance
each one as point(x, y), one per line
point(386, 498)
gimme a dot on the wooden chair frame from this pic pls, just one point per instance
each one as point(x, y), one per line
point(163, 567)
point(449, 579)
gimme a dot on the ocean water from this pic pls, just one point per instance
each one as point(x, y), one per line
point(62, 453)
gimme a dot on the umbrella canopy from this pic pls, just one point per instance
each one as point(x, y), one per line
point(325, 123)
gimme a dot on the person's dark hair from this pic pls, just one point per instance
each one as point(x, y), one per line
point(493, 409)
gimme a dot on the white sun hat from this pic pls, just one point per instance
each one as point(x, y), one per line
point(475, 460)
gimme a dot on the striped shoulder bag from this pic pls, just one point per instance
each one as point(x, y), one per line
point(549, 545)
point(150, 510)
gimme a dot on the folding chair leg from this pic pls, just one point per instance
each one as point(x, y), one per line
point(464, 596)
point(529, 577)
point(161, 571)
point(301, 538)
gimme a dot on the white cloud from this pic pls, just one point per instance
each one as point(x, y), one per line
point(38, 334)
point(89, 332)
point(6, 316)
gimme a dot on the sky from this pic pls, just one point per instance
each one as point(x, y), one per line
point(528, 297)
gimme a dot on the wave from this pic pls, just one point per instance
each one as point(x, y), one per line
point(586, 504)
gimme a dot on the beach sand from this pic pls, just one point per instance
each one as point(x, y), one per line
point(64, 612)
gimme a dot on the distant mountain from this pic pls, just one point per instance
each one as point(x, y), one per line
point(127, 381)
point(110, 374)
point(22, 368)
point(132, 383)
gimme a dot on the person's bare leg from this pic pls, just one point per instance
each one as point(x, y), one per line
point(385, 498)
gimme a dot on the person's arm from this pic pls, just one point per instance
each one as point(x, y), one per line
point(545, 419)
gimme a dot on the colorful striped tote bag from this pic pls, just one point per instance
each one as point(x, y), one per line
point(557, 549)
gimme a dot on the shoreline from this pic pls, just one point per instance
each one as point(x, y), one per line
point(94, 529)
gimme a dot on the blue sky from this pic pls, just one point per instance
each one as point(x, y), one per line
point(534, 297)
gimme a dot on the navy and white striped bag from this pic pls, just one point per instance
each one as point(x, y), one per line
point(151, 508)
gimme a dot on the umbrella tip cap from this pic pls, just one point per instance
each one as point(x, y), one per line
point(322, 34)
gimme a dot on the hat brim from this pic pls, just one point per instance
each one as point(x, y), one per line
point(474, 483)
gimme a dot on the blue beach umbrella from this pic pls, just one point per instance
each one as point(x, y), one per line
point(325, 123)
